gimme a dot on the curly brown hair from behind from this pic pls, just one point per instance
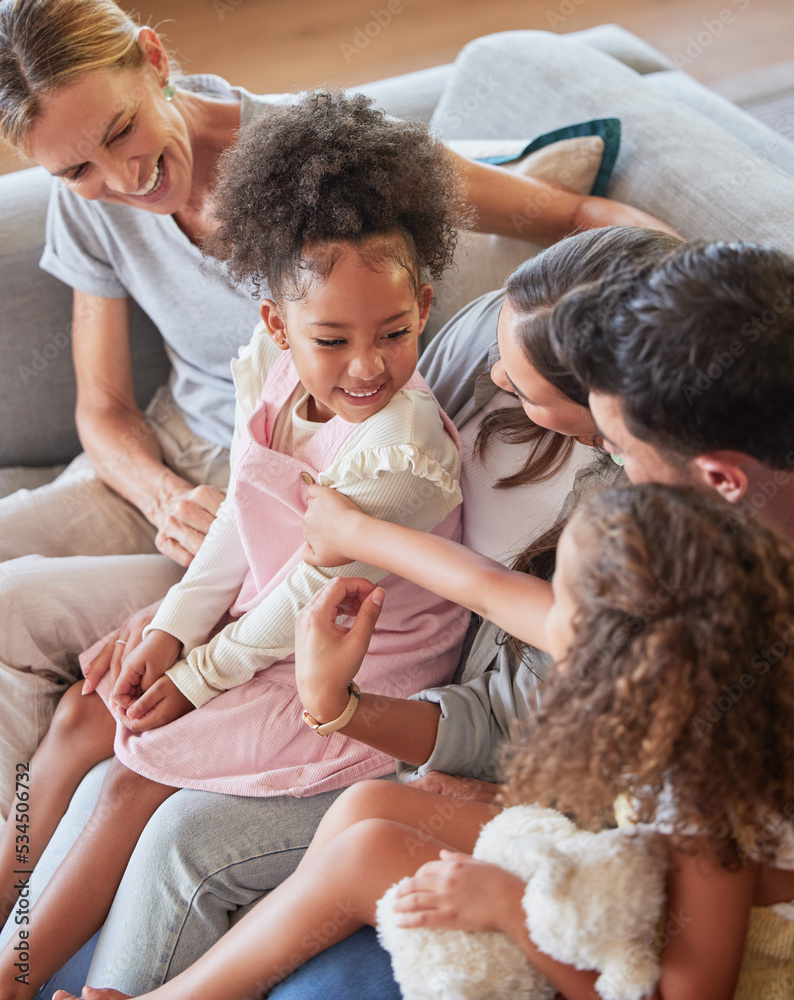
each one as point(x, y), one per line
point(331, 168)
point(679, 683)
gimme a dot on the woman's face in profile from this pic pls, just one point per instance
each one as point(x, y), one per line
point(111, 135)
point(545, 405)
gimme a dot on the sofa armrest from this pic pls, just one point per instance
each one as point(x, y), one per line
point(760, 138)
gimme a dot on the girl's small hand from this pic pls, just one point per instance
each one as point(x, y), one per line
point(327, 519)
point(328, 655)
point(460, 893)
point(161, 704)
point(144, 665)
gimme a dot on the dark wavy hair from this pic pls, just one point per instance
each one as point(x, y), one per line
point(331, 169)
point(533, 291)
point(679, 682)
point(699, 347)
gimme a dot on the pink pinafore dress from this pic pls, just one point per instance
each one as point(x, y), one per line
point(251, 739)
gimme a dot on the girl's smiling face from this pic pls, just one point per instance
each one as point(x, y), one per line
point(541, 401)
point(353, 335)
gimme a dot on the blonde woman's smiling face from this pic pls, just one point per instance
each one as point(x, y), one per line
point(111, 135)
point(353, 335)
point(541, 401)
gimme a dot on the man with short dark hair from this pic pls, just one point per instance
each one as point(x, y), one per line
point(690, 368)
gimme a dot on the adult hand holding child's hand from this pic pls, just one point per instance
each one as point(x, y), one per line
point(162, 703)
point(120, 643)
point(327, 522)
point(145, 665)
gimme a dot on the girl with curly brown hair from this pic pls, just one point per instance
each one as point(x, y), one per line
point(672, 625)
point(343, 236)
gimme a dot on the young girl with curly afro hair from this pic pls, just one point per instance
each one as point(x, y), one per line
point(342, 213)
point(671, 622)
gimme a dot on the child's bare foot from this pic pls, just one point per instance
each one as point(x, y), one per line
point(89, 993)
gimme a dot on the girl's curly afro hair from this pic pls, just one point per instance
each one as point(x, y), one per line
point(331, 168)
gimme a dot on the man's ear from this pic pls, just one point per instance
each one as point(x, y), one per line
point(274, 323)
point(155, 54)
point(425, 298)
point(724, 472)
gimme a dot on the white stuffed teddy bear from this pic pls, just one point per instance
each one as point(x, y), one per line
point(593, 900)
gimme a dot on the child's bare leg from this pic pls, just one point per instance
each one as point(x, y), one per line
point(76, 901)
point(80, 735)
point(331, 895)
point(432, 816)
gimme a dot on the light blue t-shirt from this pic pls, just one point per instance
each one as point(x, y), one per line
point(115, 251)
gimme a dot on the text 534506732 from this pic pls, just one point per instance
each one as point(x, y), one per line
point(21, 816)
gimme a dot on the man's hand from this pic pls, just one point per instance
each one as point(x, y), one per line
point(145, 665)
point(162, 703)
point(185, 520)
point(458, 787)
point(328, 655)
point(119, 643)
point(327, 517)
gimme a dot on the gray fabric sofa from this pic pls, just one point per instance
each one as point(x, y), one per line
point(668, 118)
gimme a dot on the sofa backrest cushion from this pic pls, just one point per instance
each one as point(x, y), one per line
point(37, 386)
point(674, 162)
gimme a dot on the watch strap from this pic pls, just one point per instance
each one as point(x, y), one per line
point(326, 728)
